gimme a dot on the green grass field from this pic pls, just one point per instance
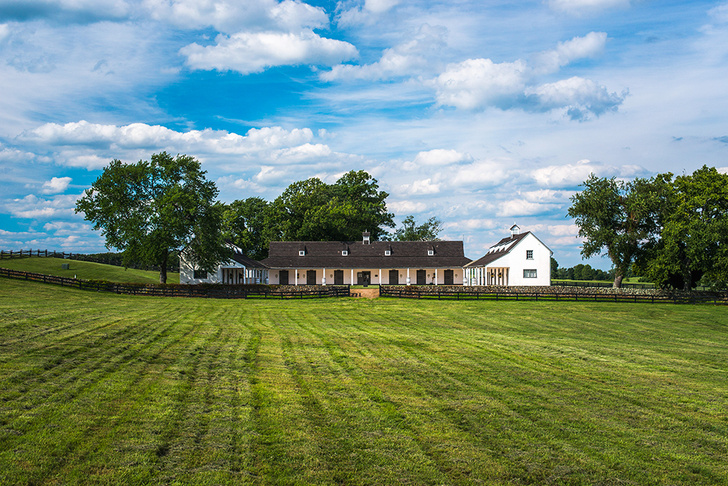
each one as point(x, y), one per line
point(99, 388)
point(85, 270)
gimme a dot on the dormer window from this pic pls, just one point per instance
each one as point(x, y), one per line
point(387, 252)
point(344, 252)
point(430, 252)
point(301, 252)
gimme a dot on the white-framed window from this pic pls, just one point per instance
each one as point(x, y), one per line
point(344, 252)
point(529, 273)
point(529, 254)
point(387, 252)
point(301, 252)
point(430, 252)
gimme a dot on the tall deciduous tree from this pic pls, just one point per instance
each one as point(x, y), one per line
point(247, 224)
point(693, 240)
point(312, 210)
point(617, 217)
point(411, 231)
point(154, 208)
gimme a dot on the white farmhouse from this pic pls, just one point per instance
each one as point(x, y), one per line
point(239, 270)
point(519, 260)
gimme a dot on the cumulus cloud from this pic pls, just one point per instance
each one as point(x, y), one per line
point(33, 207)
point(580, 6)
point(237, 15)
point(420, 187)
point(436, 158)
point(56, 185)
point(405, 59)
point(247, 52)
point(477, 83)
point(356, 13)
point(479, 173)
point(572, 175)
point(719, 13)
point(567, 52)
point(581, 97)
point(64, 10)
point(406, 207)
point(4, 32)
point(521, 207)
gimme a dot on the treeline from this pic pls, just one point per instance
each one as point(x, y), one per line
point(672, 231)
point(582, 272)
point(313, 210)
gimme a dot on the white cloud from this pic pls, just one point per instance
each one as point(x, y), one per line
point(579, 6)
point(406, 59)
point(436, 158)
point(4, 32)
point(56, 185)
point(719, 13)
point(567, 52)
point(521, 207)
point(406, 207)
point(238, 15)
point(477, 83)
point(472, 224)
point(247, 52)
point(479, 173)
point(420, 187)
point(379, 6)
point(582, 97)
point(546, 196)
point(33, 207)
point(568, 175)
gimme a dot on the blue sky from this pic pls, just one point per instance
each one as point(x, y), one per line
point(482, 113)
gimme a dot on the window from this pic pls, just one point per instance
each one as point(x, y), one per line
point(387, 252)
point(529, 254)
point(529, 273)
point(199, 274)
point(344, 252)
point(430, 252)
point(301, 252)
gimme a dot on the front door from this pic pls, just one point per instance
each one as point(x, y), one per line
point(394, 277)
point(338, 277)
point(311, 277)
point(449, 280)
point(421, 277)
point(363, 278)
point(283, 277)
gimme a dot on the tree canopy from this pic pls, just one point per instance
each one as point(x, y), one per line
point(151, 209)
point(411, 231)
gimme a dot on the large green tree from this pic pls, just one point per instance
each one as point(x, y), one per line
point(693, 241)
point(616, 218)
point(312, 210)
point(247, 224)
point(151, 209)
point(411, 231)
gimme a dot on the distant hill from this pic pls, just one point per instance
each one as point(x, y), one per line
point(85, 270)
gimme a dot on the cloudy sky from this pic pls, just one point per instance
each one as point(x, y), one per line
point(482, 113)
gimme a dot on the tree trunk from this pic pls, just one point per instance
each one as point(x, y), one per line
point(163, 270)
point(618, 277)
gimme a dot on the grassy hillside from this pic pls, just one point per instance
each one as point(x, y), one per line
point(102, 388)
point(85, 270)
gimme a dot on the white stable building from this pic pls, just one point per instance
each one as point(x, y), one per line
point(238, 270)
point(518, 260)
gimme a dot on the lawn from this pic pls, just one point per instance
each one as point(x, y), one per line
point(85, 270)
point(102, 388)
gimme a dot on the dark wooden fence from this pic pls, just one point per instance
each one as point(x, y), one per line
point(676, 298)
point(213, 291)
point(589, 283)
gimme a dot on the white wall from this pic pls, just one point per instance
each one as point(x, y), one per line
point(378, 276)
point(516, 261)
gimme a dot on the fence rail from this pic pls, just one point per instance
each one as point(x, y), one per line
point(415, 293)
point(213, 291)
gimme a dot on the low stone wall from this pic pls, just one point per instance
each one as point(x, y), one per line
point(556, 289)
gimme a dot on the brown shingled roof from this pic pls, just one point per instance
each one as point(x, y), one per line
point(404, 254)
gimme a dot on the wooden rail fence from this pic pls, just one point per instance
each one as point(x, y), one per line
point(675, 298)
point(105, 258)
point(213, 291)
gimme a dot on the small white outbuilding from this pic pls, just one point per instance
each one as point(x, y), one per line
point(518, 260)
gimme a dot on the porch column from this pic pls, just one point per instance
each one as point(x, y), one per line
point(296, 276)
point(323, 278)
point(436, 276)
point(380, 276)
point(408, 277)
point(351, 282)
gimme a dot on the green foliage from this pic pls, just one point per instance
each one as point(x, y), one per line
point(312, 210)
point(411, 231)
point(149, 210)
point(247, 224)
point(693, 243)
point(554, 268)
point(616, 217)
